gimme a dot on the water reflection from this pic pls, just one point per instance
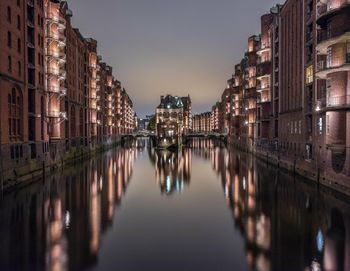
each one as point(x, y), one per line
point(172, 169)
point(57, 224)
point(286, 223)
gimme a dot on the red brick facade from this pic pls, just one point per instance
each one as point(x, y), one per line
point(290, 94)
point(50, 93)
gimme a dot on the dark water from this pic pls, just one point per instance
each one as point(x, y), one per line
point(204, 208)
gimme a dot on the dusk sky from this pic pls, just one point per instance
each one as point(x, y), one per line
point(177, 47)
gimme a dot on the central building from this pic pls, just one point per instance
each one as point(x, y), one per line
point(173, 119)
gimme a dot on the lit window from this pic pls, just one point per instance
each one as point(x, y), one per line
point(320, 125)
point(309, 74)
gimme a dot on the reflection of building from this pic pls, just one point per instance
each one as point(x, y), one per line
point(286, 225)
point(173, 170)
point(57, 224)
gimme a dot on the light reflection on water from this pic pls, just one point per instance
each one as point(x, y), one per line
point(136, 208)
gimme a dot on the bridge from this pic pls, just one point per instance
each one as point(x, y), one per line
point(206, 135)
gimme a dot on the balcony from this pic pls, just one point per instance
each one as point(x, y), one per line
point(55, 18)
point(264, 69)
point(262, 100)
point(57, 37)
point(324, 68)
point(56, 114)
point(57, 55)
point(262, 87)
point(57, 90)
point(333, 103)
point(56, 72)
point(264, 48)
point(329, 10)
point(327, 38)
point(30, 3)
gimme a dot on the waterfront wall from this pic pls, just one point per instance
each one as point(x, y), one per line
point(311, 169)
point(63, 153)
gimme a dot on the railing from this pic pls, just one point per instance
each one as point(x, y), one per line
point(321, 10)
point(30, 3)
point(54, 114)
point(309, 36)
point(56, 19)
point(57, 37)
point(333, 101)
point(332, 5)
point(324, 35)
point(53, 71)
point(60, 90)
point(323, 65)
point(57, 54)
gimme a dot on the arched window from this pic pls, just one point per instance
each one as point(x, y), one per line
point(15, 108)
point(19, 45)
point(9, 64)
point(8, 15)
point(18, 22)
point(9, 39)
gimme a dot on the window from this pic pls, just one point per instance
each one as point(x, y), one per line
point(19, 68)
point(9, 67)
point(18, 22)
point(9, 39)
point(309, 74)
point(329, 57)
point(15, 112)
point(18, 3)
point(328, 126)
point(19, 45)
point(8, 15)
point(320, 125)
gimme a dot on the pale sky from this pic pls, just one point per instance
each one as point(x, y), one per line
point(177, 47)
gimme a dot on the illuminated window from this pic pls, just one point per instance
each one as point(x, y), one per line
point(309, 74)
point(329, 57)
point(320, 125)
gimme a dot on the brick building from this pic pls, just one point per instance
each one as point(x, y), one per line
point(202, 123)
point(333, 96)
point(50, 89)
point(290, 93)
point(187, 113)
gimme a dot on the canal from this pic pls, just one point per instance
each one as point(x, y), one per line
point(203, 208)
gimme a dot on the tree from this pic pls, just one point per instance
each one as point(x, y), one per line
point(152, 124)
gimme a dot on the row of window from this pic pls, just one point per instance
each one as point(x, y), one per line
point(16, 151)
point(9, 42)
point(15, 106)
point(9, 15)
point(294, 127)
point(10, 68)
